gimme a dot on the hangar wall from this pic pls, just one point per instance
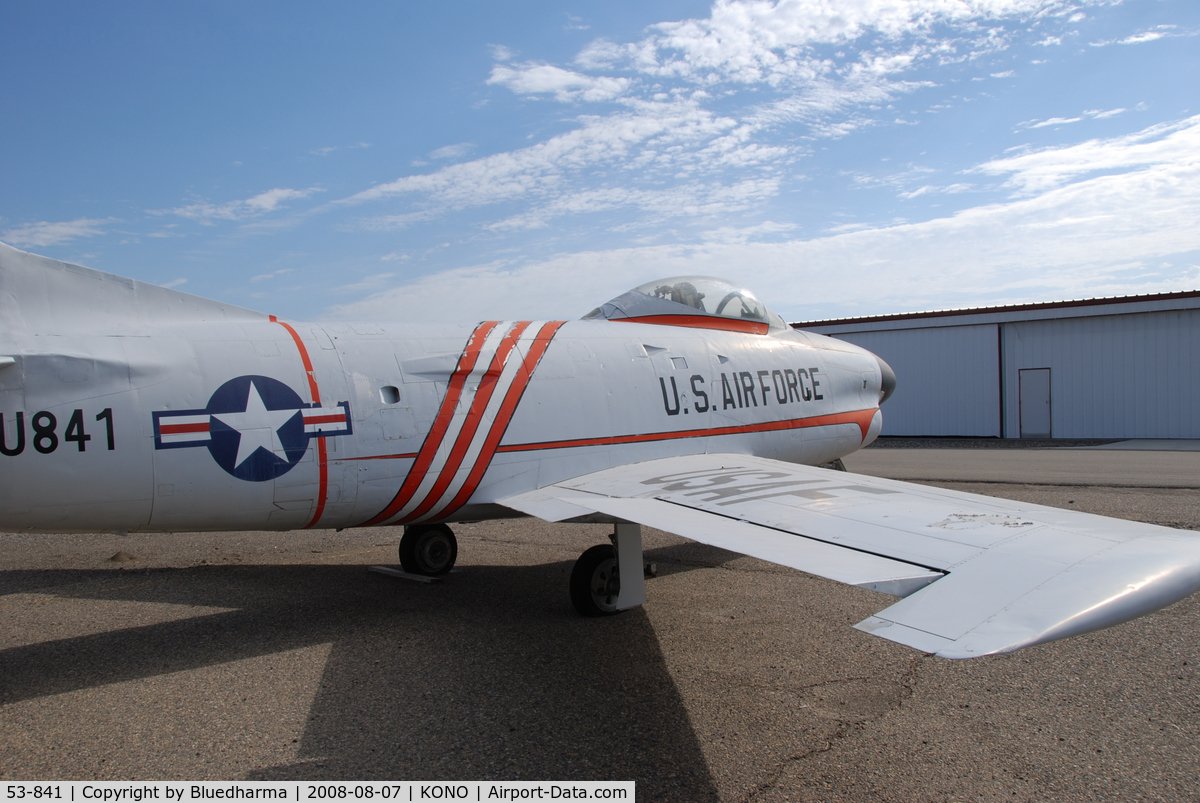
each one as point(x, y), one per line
point(948, 379)
point(1112, 376)
point(1099, 368)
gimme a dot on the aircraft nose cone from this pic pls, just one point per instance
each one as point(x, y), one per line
point(887, 384)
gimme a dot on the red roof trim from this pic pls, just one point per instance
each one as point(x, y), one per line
point(1087, 302)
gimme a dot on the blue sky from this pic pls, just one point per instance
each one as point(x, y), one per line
point(533, 159)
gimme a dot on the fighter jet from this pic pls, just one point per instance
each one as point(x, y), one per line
point(684, 404)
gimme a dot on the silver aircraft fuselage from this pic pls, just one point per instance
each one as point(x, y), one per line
point(242, 425)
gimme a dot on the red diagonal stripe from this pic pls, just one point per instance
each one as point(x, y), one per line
point(507, 408)
point(487, 386)
point(429, 447)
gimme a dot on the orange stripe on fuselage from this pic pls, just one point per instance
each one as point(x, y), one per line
point(433, 441)
point(487, 386)
point(504, 415)
point(701, 322)
point(402, 456)
point(322, 455)
point(860, 417)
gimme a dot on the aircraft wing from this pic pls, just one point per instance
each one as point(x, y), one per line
point(977, 575)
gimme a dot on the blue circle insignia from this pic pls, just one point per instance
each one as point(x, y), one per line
point(256, 428)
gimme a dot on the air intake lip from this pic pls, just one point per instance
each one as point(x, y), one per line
point(887, 381)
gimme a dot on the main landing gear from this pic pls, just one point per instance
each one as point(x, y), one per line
point(428, 549)
point(610, 578)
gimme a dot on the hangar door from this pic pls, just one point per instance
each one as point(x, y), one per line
point(1035, 402)
point(947, 379)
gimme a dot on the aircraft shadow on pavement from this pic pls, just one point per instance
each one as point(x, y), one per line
point(489, 674)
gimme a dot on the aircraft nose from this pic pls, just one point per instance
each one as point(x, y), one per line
point(887, 382)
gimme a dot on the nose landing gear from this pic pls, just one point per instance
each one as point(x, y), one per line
point(610, 578)
point(596, 582)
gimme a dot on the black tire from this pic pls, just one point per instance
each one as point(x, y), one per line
point(595, 582)
point(428, 549)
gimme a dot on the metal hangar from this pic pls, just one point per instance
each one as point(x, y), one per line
point(1125, 367)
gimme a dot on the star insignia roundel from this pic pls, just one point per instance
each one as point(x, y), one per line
point(255, 427)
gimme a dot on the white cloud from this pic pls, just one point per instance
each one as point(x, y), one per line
point(824, 97)
point(950, 189)
point(699, 105)
point(368, 284)
point(1151, 35)
point(452, 151)
point(43, 233)
point(1080, 235)
point(389, 222)
point(694, 201)
point(731, 235)
point(262, 277)
point(644, 138)
point(174, 283)
point(264, 202)
point(1037, 171)
point(757, 41)
point(1092, 114)
point(1147, 36)
point(332, 148)
point(566, 86)
point(663, 130)
point(1050, 122)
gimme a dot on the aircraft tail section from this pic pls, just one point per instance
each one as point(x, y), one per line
point(39, 295)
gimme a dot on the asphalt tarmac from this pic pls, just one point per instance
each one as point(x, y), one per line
point(278, 655)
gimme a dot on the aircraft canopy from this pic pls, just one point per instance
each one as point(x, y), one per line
point(697, 301)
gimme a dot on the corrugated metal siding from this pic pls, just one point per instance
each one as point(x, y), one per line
point(1112, 376)
point(948, 379)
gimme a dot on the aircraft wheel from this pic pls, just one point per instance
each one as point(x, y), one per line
point(428, 549)
point(595, 582)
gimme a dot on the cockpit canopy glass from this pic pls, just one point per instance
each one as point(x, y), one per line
point(690, 296)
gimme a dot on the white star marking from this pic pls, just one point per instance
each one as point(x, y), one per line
point(258, 426)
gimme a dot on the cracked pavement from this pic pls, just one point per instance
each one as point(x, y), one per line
point(277, 655)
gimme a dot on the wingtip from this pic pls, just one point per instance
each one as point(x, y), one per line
point(1120, 584)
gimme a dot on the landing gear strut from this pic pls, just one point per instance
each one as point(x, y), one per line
point(428, 549)
point(609, 578)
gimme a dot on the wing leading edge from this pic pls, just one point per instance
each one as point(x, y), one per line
point(978, 576)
